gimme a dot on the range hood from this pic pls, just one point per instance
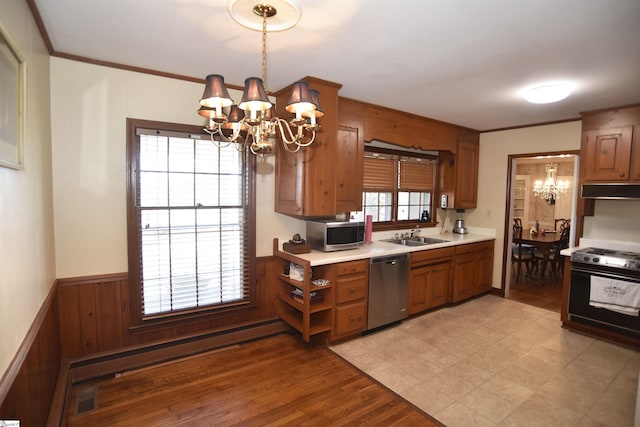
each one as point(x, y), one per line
point(611, 191)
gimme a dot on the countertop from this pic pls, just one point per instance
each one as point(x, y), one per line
point(603, 244)
point(378, 248)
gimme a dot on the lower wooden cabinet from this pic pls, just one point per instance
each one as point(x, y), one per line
point(351, 319)
point(485, 267)
point(352, 290)
point(464, 277)
point(436, 277)
point(429, 279)
point(303, 305)
point(473, 270)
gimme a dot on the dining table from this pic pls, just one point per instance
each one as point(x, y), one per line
point(543, 241)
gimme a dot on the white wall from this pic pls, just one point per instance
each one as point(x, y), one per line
point(27, 259)
point(614, 220)
point(90, 105)
point(495, 147)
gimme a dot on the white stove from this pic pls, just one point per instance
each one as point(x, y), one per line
point(624, 260)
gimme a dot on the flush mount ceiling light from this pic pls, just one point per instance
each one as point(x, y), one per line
point(252, 123)
point(548, 93)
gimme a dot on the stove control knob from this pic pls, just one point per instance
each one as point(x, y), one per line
point(596, 259)
point(587, 259)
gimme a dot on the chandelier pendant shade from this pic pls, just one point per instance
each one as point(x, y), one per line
point(552, 188)
point(253, 123)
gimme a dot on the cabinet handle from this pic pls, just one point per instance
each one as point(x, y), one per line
point(622, 174)
point(352, 290)
point(351, 318)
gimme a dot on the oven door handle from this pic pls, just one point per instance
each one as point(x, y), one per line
point(593, 272)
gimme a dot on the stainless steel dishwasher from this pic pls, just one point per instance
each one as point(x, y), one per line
point(388, 290)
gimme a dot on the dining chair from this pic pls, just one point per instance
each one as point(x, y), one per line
point(561, 223)
point(554, 258)
point(520, 253)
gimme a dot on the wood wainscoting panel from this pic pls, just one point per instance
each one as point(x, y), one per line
point(91, 314)
point(27, 387)
point(94, 316)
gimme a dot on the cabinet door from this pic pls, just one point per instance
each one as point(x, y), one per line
point(464, 276)
point(458, 175)
point(466, 175)
point(348, 164)
point(635, 159)
point(350, 319)
point(429, 286)
point(418, 290)
point(305, 181)
point(485, 271)
point(439, 284)
point(608, 154)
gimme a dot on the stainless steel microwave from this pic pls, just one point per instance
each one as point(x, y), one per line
point(330, 235)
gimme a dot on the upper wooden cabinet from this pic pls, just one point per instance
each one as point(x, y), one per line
point(459, 174)
point(349, 161)
point(610, 146)
point(408, 130)
point(306, 180)
point(325, 178)
point(607, 154)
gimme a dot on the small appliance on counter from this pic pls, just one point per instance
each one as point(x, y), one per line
point(333, 235)
point(459, 227)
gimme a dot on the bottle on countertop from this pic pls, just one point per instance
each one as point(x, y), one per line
point(537, 226)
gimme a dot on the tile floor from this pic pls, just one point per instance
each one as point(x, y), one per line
point(498, 362)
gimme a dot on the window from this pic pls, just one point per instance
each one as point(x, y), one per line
point(188, 222)
point(397, 187)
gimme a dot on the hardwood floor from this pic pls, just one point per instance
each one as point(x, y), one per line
point(544, 291)
point(273, 381)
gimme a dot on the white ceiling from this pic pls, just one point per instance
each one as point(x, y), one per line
point(459, 61)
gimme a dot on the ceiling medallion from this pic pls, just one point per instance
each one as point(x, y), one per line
point(282, 14)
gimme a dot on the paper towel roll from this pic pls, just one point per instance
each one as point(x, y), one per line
point(368, 228)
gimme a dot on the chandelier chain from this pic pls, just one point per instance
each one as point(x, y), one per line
point(264, 50)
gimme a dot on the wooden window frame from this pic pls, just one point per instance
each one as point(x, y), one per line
point(389, 225)
point(134, 295)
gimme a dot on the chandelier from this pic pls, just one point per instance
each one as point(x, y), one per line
point(552, 188)
point(253, 123)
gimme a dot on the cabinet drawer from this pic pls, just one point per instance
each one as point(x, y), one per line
point(351, 267)
point(484, 245)
point(350, 319)
point(351, 289)
point(465, 249)
point(428, 255)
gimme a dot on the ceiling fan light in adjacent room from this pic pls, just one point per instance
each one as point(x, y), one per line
point(548, 93)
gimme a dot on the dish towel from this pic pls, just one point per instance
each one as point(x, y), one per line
point(615, 295)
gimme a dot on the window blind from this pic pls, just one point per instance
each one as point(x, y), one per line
point(417, 173)
point(380, 171)
point(193, 223)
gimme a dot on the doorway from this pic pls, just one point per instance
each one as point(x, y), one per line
point(529, 205)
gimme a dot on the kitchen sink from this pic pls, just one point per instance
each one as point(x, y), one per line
point(415, 241)
point(429, 240)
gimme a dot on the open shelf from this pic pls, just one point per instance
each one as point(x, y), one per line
point(312, 320)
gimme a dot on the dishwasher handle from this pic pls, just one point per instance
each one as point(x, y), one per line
point(391, 259)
